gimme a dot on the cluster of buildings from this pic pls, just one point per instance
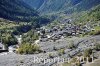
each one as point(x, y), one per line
point(65, 29)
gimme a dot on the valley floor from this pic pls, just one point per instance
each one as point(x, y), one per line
point(12, 59)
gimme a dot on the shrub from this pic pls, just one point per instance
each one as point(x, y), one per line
point(78, 64)
point(97, 47)
point(61, 52)
point(87, 52)
point(50, 55)
point(28, 49)
point(30, 37)
point(9, 39)
point(95, 32)
point(71, 45)
point(54, 48)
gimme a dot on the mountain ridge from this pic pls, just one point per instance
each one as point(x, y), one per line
point(16, 10)
point(49, 6)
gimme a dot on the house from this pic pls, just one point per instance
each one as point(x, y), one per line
point(44, 39)
point(37, 41)
point(19, 39)
point(13, 48)
point(48, 36)
point(2, 47)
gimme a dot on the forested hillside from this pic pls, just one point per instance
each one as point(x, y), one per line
point(36, 4)
point(86, 16)
point(16, 10)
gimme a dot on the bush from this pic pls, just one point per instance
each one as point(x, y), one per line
point(28, 49)
point(95, 32)
point(54, 48)
point(87, 52)
point(30, 37)
point(71, 45)
point(61, 52)
point(9, 39)
point(78, 64)
point(50, 55)
point(97, 47)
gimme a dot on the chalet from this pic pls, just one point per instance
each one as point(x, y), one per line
point(2, 47)
point(19, 39)
point(13, 48)
point(44, 39)
point(37, 42)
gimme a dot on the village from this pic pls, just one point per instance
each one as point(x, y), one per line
point(55, 32)
point(65, 29)
point(62, 41)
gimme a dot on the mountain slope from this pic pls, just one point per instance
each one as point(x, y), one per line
point(36, 4)
point(49, 6)
point(16, 10)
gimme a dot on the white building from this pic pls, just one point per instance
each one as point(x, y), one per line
point(19, 38)
point(2, 47)
point(12, 48)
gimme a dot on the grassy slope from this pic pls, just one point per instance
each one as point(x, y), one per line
point(16, 10)
point(6, 24)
